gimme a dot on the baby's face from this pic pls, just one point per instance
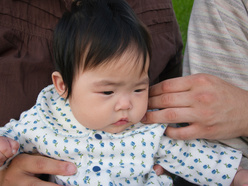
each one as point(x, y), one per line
point(111, 97)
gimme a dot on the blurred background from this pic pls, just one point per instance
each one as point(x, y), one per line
point(182, 9)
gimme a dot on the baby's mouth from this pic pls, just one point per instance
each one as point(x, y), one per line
point(122, 121)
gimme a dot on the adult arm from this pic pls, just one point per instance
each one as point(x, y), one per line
point(213, 108)
point(26, 167)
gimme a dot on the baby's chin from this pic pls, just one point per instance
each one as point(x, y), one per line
point(115, 129)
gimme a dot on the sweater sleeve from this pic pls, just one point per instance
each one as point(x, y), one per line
point(199, 161)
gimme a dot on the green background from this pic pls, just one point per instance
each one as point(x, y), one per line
point(183, 9)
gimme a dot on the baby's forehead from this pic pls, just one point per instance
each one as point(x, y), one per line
point(130, 59)
point(128, 63)
point(124, 67)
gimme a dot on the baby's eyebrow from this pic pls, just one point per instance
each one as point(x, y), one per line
point(144, 81)
point(107, 83)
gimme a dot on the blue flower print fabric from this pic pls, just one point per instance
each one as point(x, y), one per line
point(126, 158)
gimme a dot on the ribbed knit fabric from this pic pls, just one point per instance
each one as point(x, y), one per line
point(217, 40)
point(217, 44)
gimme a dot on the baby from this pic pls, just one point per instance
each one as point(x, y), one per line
point(91, 114)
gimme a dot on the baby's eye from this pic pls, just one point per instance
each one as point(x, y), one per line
point(139, 90)
point(107, 92)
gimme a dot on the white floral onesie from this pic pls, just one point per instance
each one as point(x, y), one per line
point(119, 159)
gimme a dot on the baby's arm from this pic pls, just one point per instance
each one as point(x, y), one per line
point(8, 148)
point(199, 161)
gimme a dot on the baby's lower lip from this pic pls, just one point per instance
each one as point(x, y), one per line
point(120, 122)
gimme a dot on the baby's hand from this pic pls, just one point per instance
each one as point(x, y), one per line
point(8, 148)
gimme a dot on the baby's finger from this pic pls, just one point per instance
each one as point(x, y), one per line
point(14, 146)
point(8, 147)
point(159, 169)
point(2, 159)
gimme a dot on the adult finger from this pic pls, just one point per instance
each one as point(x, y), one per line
point(169, 100)
point(24, 168)
point(194, 131)
point(24, 180)
point(184, 133)
point(179, 84)
point(170, 115)
point(37, 164)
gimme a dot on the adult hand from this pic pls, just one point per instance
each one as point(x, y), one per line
point(240, 178)
point(213, 108)
point(23, 170)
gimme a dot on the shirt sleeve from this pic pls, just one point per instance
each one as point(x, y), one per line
point(7, 131)
point(199, 161)
point(17, 130)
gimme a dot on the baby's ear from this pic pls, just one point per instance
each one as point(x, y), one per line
point(59, 84)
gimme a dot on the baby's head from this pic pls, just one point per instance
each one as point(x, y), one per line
point(102, 53)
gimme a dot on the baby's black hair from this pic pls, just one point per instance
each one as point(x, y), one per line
point(96, 31)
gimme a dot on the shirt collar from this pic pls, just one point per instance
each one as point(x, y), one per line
point(56, 113)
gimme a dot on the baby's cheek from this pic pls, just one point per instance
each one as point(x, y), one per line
point(141, 114)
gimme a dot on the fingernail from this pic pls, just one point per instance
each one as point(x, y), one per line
point(71, 169)
point(14, 151)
